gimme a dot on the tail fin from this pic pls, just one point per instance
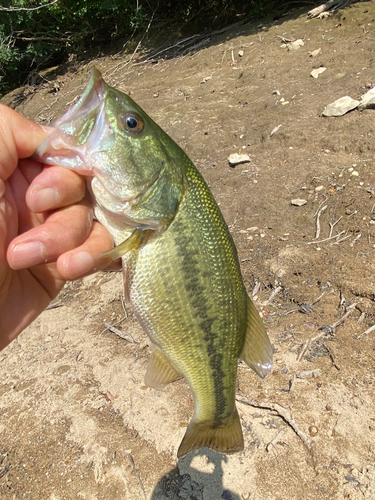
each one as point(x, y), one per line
point(225, 437)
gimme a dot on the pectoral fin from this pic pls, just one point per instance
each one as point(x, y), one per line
point(159, 371)
point(257, 350)
point(134, 241)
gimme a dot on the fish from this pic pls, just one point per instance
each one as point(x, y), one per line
point(181, 269)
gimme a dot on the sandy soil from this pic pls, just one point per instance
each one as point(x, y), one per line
point(77, 422)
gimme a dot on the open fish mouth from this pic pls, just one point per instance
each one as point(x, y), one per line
point(79, 132)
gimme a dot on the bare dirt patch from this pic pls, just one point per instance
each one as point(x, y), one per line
point(76, 420)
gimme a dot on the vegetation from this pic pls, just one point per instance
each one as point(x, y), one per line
point(35, 34)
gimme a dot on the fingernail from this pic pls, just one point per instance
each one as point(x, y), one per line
point(47, 129)
point(79, 263)
point(45, 199)
point(27, 255)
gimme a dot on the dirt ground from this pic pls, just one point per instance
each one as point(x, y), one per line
point(76, 420)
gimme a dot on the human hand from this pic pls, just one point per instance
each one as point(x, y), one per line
point(47, 232)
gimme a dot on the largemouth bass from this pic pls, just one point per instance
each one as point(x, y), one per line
point(181, 270)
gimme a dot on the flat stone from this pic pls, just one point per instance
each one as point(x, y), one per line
point(317, 71)
point(298, 202)
point(367, 100)
point(340, 107)
point(235, 159)
point(315, 53)
point(297, 44)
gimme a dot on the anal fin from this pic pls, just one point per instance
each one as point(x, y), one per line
point(159, 371)
point(257, 350)
point(224, 437)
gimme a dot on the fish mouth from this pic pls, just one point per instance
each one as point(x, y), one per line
point(77, 134)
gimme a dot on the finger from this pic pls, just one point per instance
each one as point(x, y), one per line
point(55, 187)
point(19, 138)
point(80, 261)
point(62, 231)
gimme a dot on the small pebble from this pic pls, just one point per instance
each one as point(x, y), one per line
point(235, 159)
point(313, 430)
point(318, 71)
point(315, 53)
point(355, 173)
point(298, 202)
point(319, 188)
point(350, 169)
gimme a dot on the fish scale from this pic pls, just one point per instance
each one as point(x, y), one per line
point(181, 268)
point(208, 334)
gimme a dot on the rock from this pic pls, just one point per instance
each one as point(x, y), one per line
point(367, 100)
point(206, 78)
point(240, 53)
point(275, 129)
point(297, 44)
point(309, 374)
point(276, 92)
point(315, 53)
point(234, 159)
point(298, 202)
point(340, 107)
point(317, 71)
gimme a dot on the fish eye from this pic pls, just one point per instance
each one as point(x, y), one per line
point(133, 123)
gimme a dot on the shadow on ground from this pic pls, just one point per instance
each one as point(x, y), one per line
point(186, 481)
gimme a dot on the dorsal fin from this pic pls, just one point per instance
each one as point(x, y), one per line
point(257, 350)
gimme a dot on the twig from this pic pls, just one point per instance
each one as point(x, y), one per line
point(317, 300)
point(274, 440)
point(369, 330)
point(349, 311)
point(284, 414)
point(308, 342)
point(321, 203)
point(300, 308)
point(273, 295)
point(131, 460)
point(256, 288)
point(333, 225)
point(11, 9)
point(120, 333)
point(326, 239)
point(323, 209)
point(123, 64)
point(355, 239)
point(332, 356)
point(342, 239)
point(292, 382)
point(361, 318)
point(4, 467)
